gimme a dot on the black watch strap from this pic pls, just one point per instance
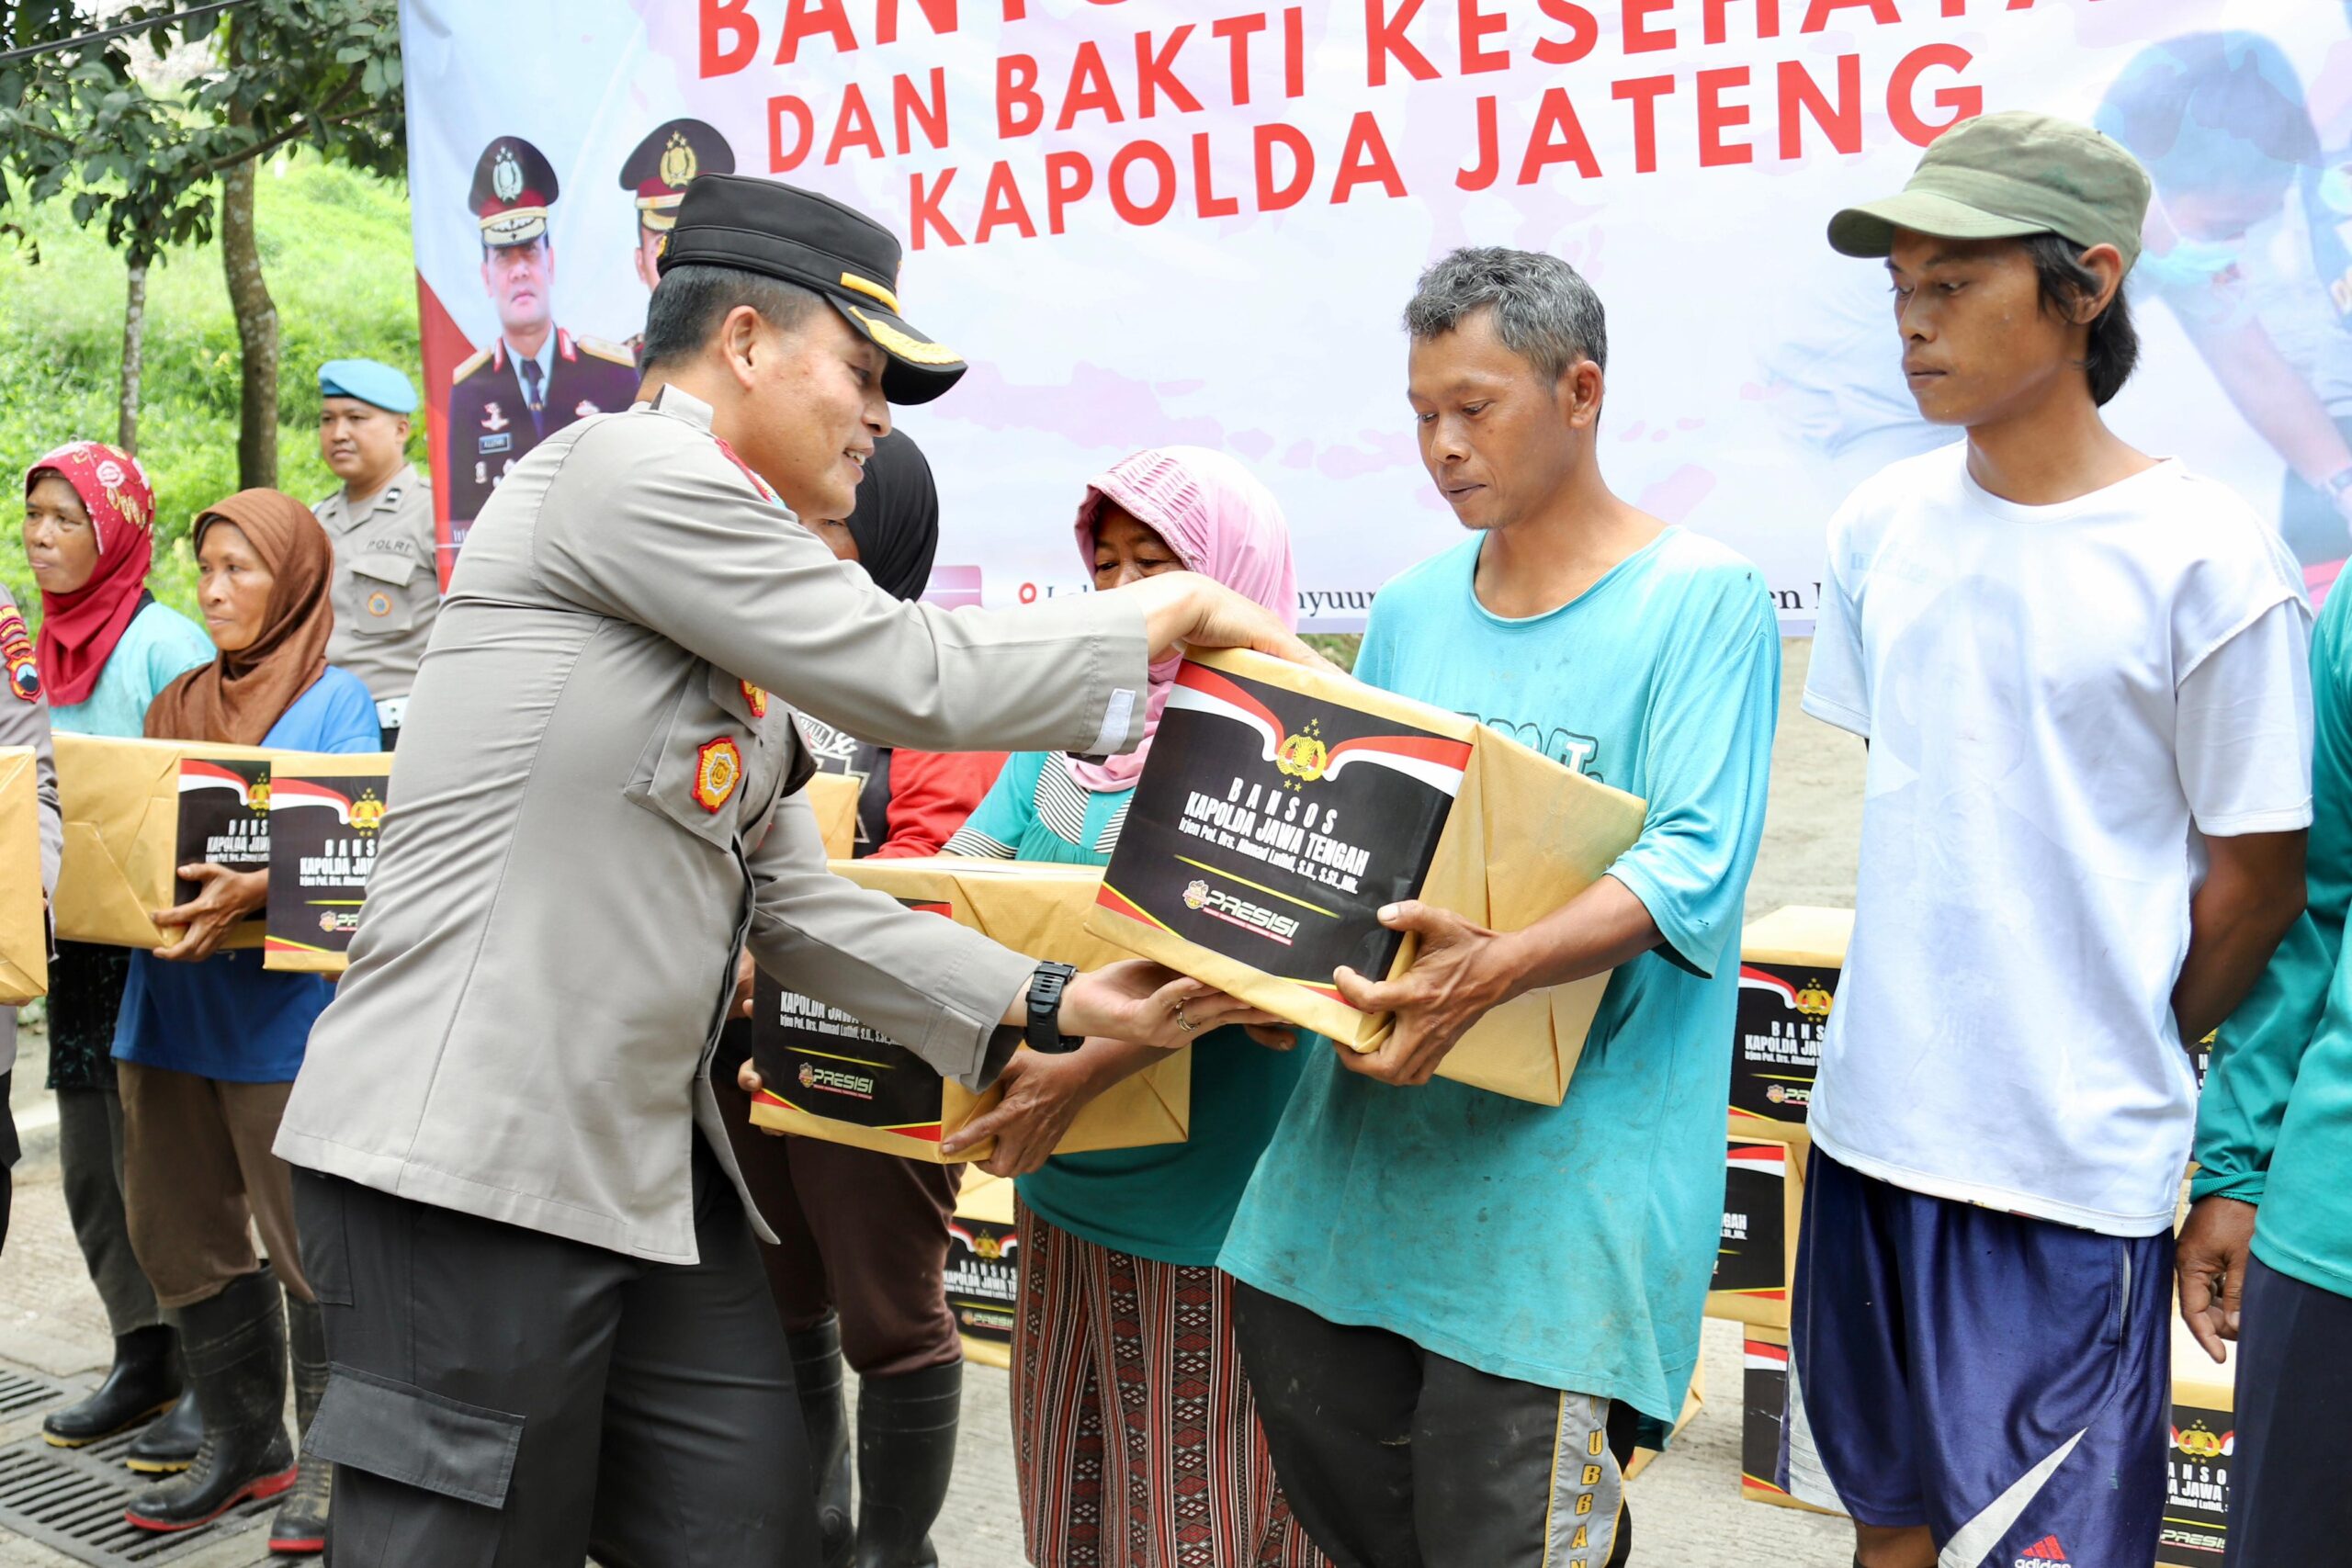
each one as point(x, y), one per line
point(1046, 989)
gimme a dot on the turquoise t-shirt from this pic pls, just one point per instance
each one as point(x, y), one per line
point(1571, 1246)
point(1169, 1203)
point(228, 1018)
point(158, 647)
point(2274, 1126)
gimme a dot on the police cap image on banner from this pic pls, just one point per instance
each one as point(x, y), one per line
point(514, 187)
point(670, 156)
point(779, 230)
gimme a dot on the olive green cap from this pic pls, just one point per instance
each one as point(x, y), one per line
point(2006, 175)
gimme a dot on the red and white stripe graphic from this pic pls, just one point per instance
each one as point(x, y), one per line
point(290, 794)
point(1757, 980)
point(197, 775)
point(1432, 759)
point(1771, 1159)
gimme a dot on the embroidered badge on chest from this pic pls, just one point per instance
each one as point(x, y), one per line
point(379, 604)
point(17, 654)
point(756, 697)
point(719, 768)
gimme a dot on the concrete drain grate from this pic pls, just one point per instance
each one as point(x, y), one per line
point(72, 1500)
point(19, 1393)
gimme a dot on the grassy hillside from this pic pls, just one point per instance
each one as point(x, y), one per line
point(335, 250)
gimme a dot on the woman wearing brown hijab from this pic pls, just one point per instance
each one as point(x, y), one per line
point(208, 1043)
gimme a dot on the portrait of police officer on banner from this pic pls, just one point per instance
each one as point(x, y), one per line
point(656, 173)
point(535, 378)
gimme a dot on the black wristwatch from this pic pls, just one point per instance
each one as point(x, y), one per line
point(1044, 1031)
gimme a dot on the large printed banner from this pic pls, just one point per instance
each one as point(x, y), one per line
point(1154, 222)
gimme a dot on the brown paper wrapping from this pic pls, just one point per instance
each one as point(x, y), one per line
point(1036, 910)
point(834, 797)
point(1525, 835)
point(24, 931)
point(120, 799)
point(289, 943)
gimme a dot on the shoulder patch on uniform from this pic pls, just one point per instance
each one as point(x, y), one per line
point(603, 349)
point(719, 768)
point(480, 359)
point(17, 654)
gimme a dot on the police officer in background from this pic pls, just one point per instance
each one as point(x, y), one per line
point(550, 1330)
point(535, 378)
point(387, 584)
point(656, 173)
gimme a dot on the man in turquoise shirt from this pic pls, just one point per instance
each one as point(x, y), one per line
point(2268, 1245)
point(1454, 1306)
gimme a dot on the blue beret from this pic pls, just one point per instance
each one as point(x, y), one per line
point(368, 381)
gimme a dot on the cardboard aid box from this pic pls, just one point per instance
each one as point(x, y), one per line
point(1764, 1410)
point(984, 1269)
point(834, 797)
point(827, 1076)
point(1763, 1204)
point(324, 814)
point(1789, 966)
point(136, 811)
point(1283, 808)
point(2201, 1447)
point(24, 931)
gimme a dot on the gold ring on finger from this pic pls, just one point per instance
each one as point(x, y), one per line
point(1182, 1022)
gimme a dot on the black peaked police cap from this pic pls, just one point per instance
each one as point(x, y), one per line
point(778, 231)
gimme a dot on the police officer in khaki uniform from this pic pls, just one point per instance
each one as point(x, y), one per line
point(24, 721)
point(386, 586)
point(550, 1330)
point(535, 378)
point(655, 174)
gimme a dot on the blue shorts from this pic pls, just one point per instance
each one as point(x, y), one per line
point(2005, 1382)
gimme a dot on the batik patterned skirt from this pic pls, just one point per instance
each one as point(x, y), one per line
point(1135, 1433)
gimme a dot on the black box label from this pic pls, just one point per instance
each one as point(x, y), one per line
point(224, 817)
point(1764, 1410)
point(1274, 826)
point(983, 1277)
point(1753, 1258)
point(2197, 1487)
point(1776, 1054)
point(322, 849)
point(821, 1062)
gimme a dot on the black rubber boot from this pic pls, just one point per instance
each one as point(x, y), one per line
point(169, 1446)
point(235, 1347)
point(906, 1451)
point(817, 1377)
point(300, 1527)
point(140, 1385)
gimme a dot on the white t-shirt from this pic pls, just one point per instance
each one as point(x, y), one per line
point(2059, 701)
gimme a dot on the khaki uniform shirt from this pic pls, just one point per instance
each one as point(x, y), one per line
point(387, 588)
point(24, 721)
point(592, 811)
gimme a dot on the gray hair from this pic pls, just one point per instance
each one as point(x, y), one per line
point(1544, 310)
point(690, 302)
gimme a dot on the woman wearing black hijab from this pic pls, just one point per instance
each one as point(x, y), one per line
point(859, 1270)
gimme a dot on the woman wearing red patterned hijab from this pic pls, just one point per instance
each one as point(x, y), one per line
point(89, 533)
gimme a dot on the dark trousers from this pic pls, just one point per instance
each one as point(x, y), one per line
point(2289, 1506)
point(1396, 1457)
point(8, 1152)
point(90, 1163)
point(857, 1231)
point(503, 1397)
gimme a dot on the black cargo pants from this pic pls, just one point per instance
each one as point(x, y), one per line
point(503, 1398)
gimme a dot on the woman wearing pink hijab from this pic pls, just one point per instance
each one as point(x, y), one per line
point(1135, 1436)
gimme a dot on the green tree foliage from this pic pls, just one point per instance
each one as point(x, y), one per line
point(155, 165)
point(337, 243)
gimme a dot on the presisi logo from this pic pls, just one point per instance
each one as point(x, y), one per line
point(1256, 919)
point(832, 1080)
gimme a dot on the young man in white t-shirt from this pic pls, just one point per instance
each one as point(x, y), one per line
point(2081, 674)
